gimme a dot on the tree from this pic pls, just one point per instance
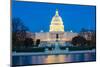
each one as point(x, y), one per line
point(78, 41)
point(92, 41)
point(18, 28)
point(28, 42)
point(18, 32)
point(37, 42)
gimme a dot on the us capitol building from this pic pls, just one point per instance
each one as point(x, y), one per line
point(56, 32)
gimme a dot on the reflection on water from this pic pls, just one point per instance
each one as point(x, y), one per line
point(44, 59)
point(55, 59)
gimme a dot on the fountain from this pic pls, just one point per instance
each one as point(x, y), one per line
point(57, 48)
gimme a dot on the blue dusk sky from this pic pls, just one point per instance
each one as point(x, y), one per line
point(37, 16)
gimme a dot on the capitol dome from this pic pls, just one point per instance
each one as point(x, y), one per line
point(56, 23)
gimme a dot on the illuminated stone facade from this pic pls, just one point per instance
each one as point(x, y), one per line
point(56, 23)
point(51, 36)
point(56, 32)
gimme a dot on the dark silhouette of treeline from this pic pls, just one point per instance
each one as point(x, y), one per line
point(19, 39)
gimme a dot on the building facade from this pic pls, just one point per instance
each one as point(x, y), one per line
point(56, 31)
